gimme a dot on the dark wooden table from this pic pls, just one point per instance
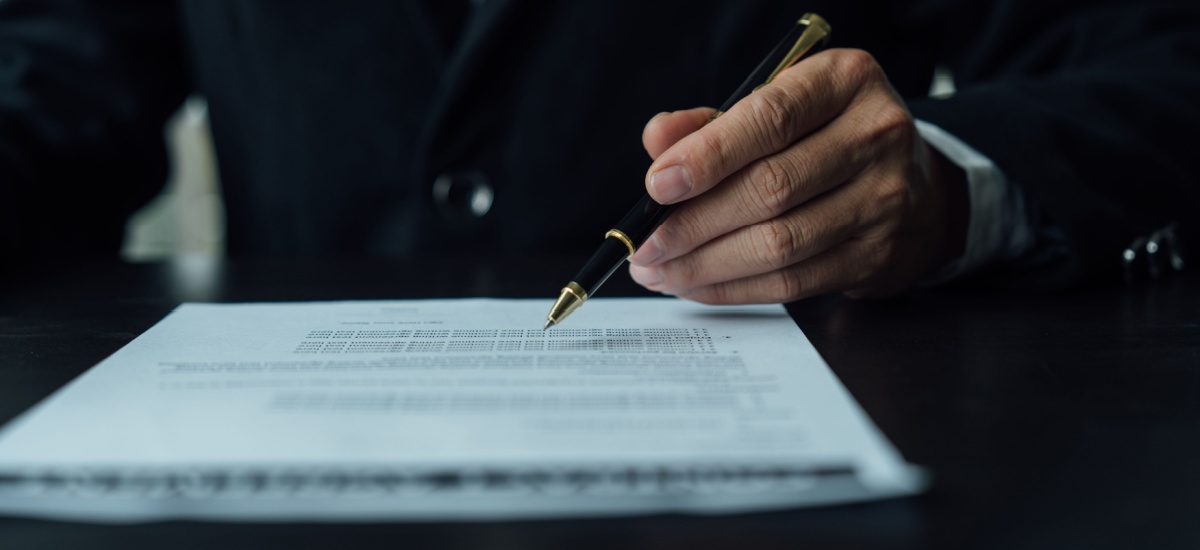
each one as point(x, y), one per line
point(1069, 420)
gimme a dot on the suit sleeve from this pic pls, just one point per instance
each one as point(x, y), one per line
point(85, 88)
point(1091, 108)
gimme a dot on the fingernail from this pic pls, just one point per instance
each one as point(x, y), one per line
point(648, 252)
point(670, 183)
point(645, 276)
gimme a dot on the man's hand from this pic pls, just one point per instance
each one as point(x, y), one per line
point(815, 183)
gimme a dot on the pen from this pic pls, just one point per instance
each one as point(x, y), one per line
point(809, 33)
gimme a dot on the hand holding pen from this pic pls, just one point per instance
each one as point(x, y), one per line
point(816, 182)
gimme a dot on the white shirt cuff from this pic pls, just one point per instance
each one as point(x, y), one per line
point(999, 229)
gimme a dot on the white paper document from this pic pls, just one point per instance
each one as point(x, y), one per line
point(449, 409)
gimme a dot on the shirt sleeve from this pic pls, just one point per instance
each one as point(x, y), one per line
point(1000, 229)
point(1079, 113)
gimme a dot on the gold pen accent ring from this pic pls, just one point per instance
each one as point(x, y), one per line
point(574, 288)
point(621, 236)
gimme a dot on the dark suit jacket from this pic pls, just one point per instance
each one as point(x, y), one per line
point(332, 120)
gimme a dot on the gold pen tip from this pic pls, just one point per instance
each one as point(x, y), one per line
point(569, 300)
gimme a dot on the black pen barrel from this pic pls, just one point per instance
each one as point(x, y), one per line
point(636, 226)
point(643, 219)
point(602, 265)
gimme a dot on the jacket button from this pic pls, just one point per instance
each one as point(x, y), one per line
point(466, 194)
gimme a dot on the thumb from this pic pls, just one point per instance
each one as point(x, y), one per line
point(662, 131)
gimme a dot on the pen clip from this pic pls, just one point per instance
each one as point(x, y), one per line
point(817, 33)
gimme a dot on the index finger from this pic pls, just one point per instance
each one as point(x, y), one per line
point(800, 100)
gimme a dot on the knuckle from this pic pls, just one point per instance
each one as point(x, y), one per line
point(893, 194)
point(857, 65)
point(775, 113)
point(783, 286)
point(777, 243)
point(771, 185)
point(708, 145)
point(895, 125)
